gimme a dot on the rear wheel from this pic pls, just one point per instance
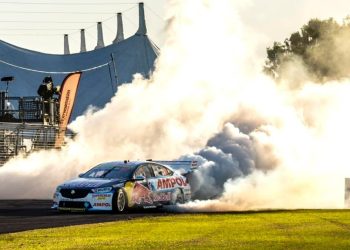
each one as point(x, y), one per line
point(178, 197)
point(120, 201)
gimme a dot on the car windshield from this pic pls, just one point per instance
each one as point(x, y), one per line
point(110, 172)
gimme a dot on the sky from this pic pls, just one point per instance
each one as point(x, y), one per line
point(277, 19)
point(40, 24)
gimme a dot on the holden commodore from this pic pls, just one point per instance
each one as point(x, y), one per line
point(118, 186)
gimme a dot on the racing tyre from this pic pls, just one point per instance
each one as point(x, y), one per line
point(120, 201)
point(178, 197)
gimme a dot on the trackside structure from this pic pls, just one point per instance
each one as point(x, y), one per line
point(104, 68)
point(29, 121)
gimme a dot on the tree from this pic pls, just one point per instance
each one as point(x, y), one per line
point(321, 45)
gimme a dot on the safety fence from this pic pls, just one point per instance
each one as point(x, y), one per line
point(24, 138)
point(28, 109)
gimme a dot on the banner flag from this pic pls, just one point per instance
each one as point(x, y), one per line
point(69, 89)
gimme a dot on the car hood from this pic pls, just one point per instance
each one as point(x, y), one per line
point(90, 183)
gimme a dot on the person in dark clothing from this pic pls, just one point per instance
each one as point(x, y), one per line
point(46, 90)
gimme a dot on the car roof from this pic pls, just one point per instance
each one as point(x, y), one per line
point(132, 165)
point(125, 163)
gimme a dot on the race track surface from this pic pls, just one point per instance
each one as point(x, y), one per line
point(21, 215)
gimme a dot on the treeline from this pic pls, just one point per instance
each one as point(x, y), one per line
point(322, 46)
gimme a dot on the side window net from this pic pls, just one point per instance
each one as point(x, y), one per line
point(160, 170)
point(143, 171)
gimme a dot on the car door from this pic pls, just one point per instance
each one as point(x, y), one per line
point(161, 175)
point(142, 194)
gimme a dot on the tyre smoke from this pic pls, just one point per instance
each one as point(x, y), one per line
point(258, 144)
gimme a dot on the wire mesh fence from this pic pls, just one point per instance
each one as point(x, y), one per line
point(24, 138)
point(28, 109)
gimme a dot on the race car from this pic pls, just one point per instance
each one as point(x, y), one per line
point(121, 185)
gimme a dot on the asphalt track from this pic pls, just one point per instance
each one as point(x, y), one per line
point(22, 215)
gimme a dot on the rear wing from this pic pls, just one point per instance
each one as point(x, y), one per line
point(184, 167)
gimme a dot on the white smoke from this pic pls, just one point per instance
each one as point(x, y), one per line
point(259, 145)
point(299, 161)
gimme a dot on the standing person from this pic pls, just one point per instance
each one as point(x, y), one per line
point(46, 90)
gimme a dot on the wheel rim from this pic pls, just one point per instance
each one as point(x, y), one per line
point(179, 198)
point(121, 201)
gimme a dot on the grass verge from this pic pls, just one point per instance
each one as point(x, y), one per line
point(304, 229)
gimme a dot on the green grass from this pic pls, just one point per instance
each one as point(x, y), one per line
point(304, 229)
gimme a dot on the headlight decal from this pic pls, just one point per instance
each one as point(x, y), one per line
point(102, 190)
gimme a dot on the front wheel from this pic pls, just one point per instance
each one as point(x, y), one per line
point(120, 201)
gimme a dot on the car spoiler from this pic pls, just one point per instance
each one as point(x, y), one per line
point(184, 167)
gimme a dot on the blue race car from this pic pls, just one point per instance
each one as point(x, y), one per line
point(119, 186)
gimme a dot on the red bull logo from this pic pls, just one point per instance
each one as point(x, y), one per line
point(141, 195)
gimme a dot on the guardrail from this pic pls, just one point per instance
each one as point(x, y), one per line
point(28, 109)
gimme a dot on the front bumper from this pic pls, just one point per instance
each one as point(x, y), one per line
point(91, 202)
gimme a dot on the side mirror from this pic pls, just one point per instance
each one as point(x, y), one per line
point(80, 175)
point(139, 178)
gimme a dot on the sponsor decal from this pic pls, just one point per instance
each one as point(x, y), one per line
point(101, 196)
point(152, 186)
point(82, 185)
point(149, 207)
point(102, 204)
point(68, 199)
point(171, 182)
point(71, 209)
point(141, 195)
point(67, 98)
point(66, 105)
point(162, 197)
